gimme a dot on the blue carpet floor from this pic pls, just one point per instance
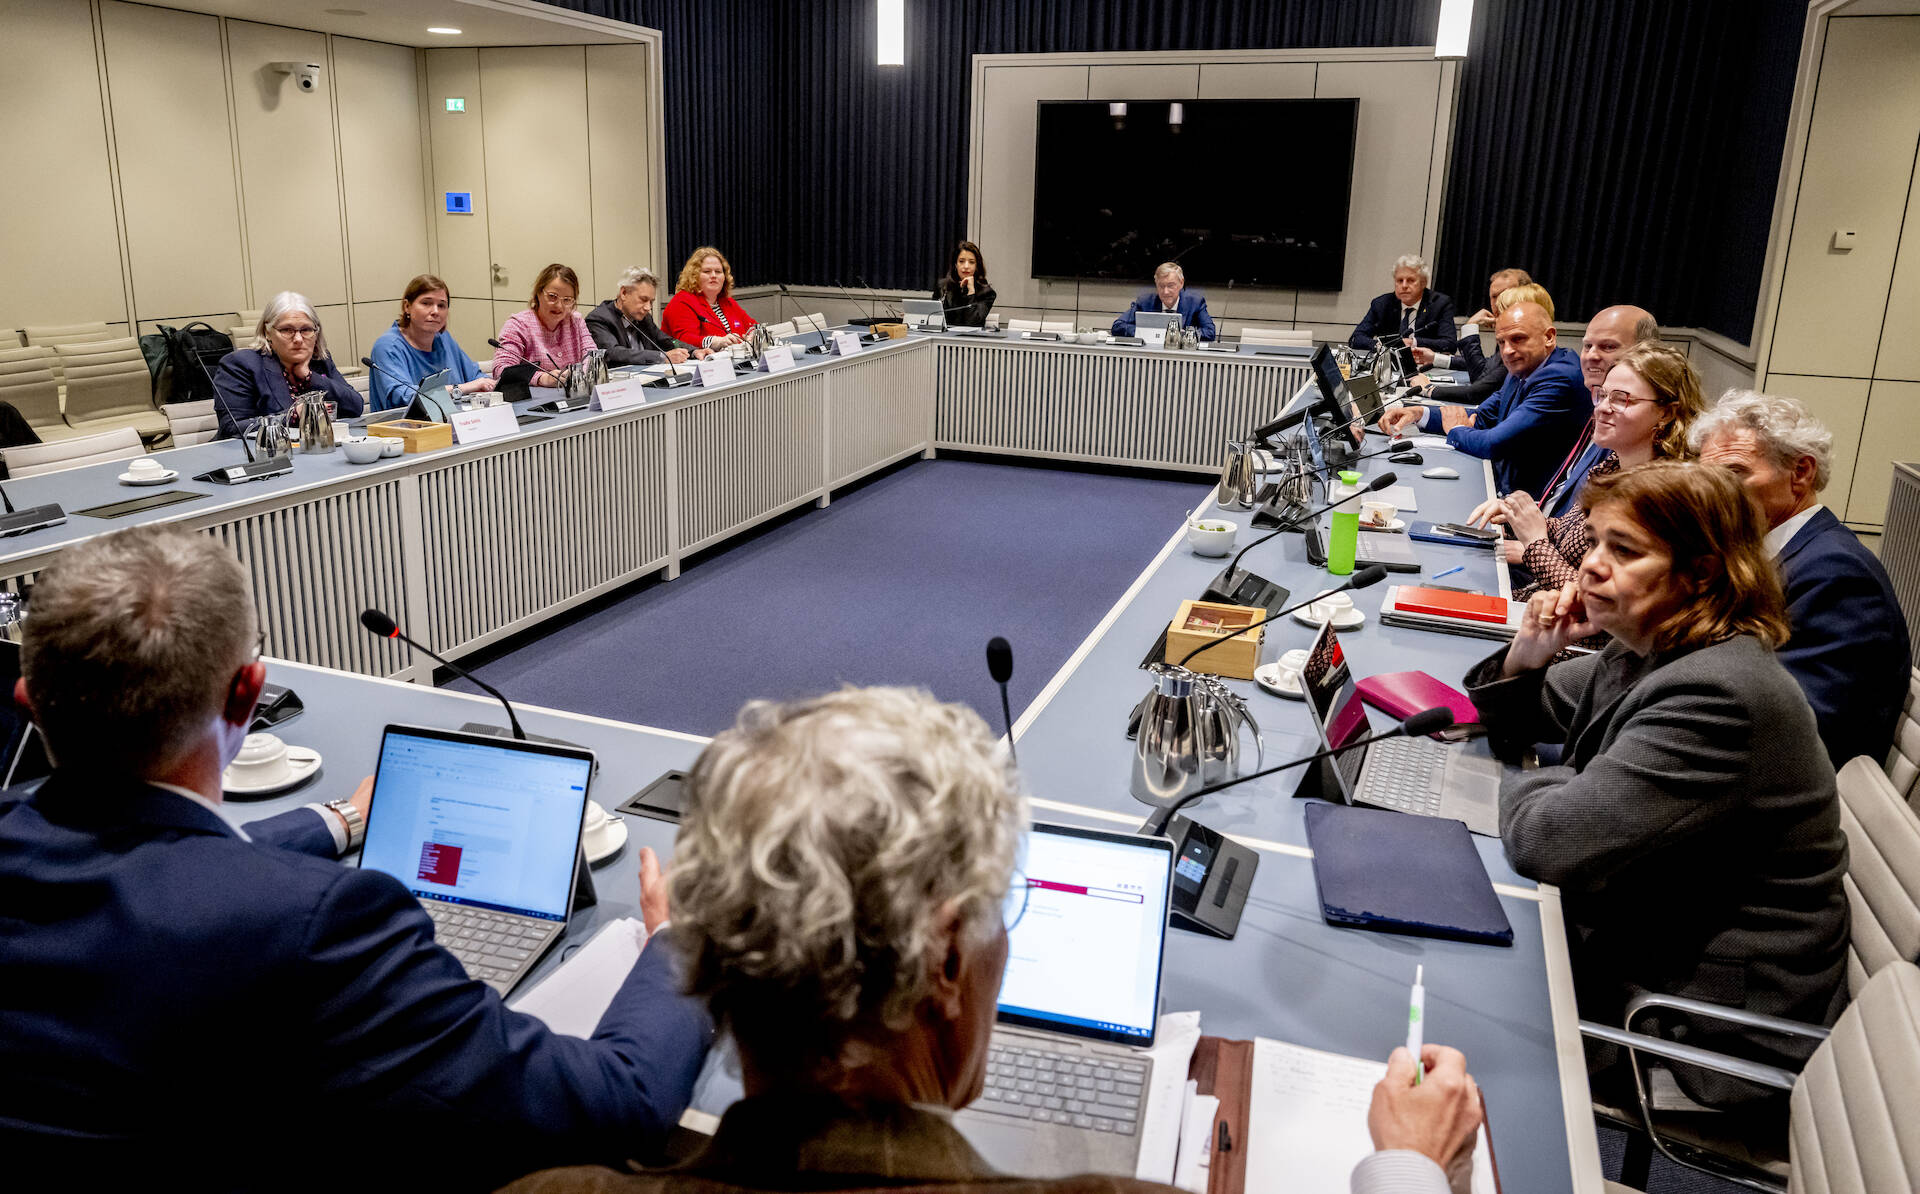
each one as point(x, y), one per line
point(901, 581)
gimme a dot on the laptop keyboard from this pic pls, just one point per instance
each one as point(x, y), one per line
point(1073, 1089)
point(1406, 774)
point(491, 945)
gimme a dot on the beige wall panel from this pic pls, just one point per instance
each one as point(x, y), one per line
point(1718, 374)
point(1256, 80)
point(370, 319)
point(1840, 403)
point(341, 342)
point(1857, 171)
point(1899, 346)
point(503, 310)
point(458, 164)
point(1143, 82)
point(168, 92)
point(620, 128)
point(1892, 432)
point(1003, 223)
point(1399, 108)
point(288, 181)
point(59, 245)
point(471, 321)
point(535, 126)
point(379, 105)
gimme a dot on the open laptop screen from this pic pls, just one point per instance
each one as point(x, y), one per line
point(1336, 705)
point(478, 820)
point(1085, 958)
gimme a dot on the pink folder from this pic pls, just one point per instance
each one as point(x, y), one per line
point(1403, 694)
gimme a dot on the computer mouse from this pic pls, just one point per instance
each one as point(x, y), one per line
point(1441, 473)
point(1407, 458)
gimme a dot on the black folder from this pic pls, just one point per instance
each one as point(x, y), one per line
point(1399, 873)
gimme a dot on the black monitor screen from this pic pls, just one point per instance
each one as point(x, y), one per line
point(1115, 194)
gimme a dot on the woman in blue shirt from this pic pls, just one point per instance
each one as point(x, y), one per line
point(417, 346)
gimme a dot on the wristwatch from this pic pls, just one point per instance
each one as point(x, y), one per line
point(350, 814)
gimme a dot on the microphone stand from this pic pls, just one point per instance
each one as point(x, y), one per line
point(1252, 589)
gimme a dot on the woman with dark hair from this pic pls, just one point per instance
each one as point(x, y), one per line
point(1692, 827)
point(965, 291)
point(550, 334)
point(417, 346)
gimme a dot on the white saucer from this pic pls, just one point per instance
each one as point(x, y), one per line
point(303, 764)
point(159, 478)
point(1347, 621)
point(1281, 684)
point(1397, 524)
point(612, 838)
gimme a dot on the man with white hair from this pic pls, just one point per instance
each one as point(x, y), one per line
point(1420, 316)
point(1170, 295)
point(1850, 649)
point(624, 326)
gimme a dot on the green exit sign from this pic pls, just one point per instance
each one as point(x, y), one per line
point(456, 104)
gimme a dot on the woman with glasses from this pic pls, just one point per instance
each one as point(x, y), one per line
point(843, 887)
point(702, 310)
point(549, 335)
point(1642, 413)
point(288, 357)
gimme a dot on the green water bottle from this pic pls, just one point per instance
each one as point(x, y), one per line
point(1346, 525)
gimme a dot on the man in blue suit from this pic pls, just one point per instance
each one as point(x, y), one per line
point(1532, 423)
point(1849, 649)
point(1169, 294)
point(1422, 316)
point(190, 1002)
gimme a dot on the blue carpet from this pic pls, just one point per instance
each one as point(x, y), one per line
point(901, 581)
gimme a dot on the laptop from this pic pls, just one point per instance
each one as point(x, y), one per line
point(925, 315)
point(433, 400)
point(485, 832)
point(1152, 326)
point(1067, 1071)
point(1409, 775)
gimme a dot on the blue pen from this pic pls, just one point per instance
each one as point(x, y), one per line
point(1449, 572)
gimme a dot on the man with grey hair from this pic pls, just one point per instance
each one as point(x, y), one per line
point(1418, 315)
point(1169, 294)
point(1850, 649)
point(624, 326)
point(164, 965)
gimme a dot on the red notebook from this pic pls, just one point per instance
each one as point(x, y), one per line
point(1403, 694)
point(1444, 603)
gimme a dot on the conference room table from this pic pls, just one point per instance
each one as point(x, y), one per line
point(1287, 974)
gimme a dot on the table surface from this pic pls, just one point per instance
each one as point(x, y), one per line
point(1287, 975)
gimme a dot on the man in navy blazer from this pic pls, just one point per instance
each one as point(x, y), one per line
point(1425, 316)
point(1169, 294)
point(1530, 426)
point(190, 1002)
point(1850, 648)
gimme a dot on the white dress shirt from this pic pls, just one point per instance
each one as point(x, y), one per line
point(1780, 536)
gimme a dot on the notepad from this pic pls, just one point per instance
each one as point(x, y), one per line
point(1445, 603)
point(572, 999)
point(1384, 870)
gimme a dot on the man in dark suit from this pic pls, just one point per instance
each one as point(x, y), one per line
point(624, 326)
point(1169, 294)
point(1421, 316)
point(167, 971)
point(1530, 425)
point(1850, 649)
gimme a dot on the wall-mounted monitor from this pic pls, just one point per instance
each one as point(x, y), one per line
point(1252, 191)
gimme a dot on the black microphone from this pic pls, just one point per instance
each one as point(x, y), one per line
point(1371, 575)
point(1226, 588)
point(1000, 667)
point(876, 297)
point(1427, 721)
point(414, 386)
point(551, 363)
point(383, 626)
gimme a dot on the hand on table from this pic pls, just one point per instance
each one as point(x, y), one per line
point(1553, 621)
point(653, 891)
point(1422, 356)
point(1525, 516)
point(1455, 416)
point(701, 354)
point(676, 356)
point(479, 385)
point(1398, 418)
point(1437, 1118)
point(1491, 512)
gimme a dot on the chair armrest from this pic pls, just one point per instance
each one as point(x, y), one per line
point(1719, 1011)
point(1752, 1071)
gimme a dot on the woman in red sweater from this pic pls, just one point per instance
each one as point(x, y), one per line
point(702, 310)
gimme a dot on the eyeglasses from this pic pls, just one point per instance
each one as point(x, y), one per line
point(1015, 905)
point(1617, 400)
point(557, 300)
point(304, 332)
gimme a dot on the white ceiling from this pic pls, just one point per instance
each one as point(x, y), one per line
point(405, 22)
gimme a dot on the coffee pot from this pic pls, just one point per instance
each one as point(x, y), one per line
point(315, 423)
point(1186, 735)
point(1239, 479)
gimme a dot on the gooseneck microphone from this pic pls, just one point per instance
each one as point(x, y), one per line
point(1371, 575)
point(398, 381)
point(1427, 721)
point(383, 626)
point(1000, 667)
point(1231, 582)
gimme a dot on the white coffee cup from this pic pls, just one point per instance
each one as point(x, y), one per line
point(1291, 664)
point(262, 760)
point(1378, 513)
point(1328, 606)
point(594, 818)
point(145, 466)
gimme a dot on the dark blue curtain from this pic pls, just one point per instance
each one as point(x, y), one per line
point(1621, 150)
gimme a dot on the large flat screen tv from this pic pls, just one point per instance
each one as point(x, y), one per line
point(1249, 191)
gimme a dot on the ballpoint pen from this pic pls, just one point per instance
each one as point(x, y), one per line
point(1416, 1013)
point(1448, 572)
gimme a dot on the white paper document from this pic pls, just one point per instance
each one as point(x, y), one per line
point(1172, 1053)
point(572, 999)
point(1195, 1165)
point(1307, 1121)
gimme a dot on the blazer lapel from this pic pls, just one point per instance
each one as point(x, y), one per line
point(1814, 528)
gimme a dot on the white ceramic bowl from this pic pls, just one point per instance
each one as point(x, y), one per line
point(365, 450)
point(1211, 536)
point(390, 446)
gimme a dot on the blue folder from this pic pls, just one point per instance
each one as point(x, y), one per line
point(1398, 873)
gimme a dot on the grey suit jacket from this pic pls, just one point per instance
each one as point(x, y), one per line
point(1693, 830)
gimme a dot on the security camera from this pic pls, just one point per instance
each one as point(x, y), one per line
point(306, 75)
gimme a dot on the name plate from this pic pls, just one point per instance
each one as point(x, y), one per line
point(777, 359)
point(716, 370)
point(845, 344)
point(621, 394)
point(484, 423)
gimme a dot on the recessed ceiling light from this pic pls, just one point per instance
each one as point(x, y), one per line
point(442, 29)
point(348, 12)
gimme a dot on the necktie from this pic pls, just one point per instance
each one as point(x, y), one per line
point(1406, 322)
